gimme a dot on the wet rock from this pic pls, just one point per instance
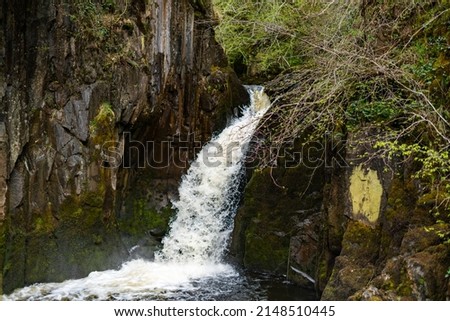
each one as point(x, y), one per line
point(370, 294)
point(420, 276)
point(66, 144)
point(145, 249)
point(89, 75)
point(419, 239)
point(3, 170)
point(277, 226)
point(76, 115)
point(347, 278)
point(17, 187)
point(426, 274)
point(361, 242)
point(304, 251)
point(158, 232)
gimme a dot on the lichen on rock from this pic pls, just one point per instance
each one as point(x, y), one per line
point(365, 192)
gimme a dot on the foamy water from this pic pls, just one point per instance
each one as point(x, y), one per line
point(134, 281)
point(190, 264)
point(209, 192)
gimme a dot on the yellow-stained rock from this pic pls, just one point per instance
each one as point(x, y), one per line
point(365, 194)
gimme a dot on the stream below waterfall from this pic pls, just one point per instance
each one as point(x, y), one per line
point(191, 264)
point(142, 280)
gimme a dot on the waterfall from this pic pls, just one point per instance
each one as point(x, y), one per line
point(193, 250)
point(209, 191)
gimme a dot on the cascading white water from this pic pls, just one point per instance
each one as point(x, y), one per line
point(208, 192)
point(193, 250)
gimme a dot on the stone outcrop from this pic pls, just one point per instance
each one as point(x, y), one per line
point(361, 229)
point(85, 89)
point(3, 170)
point(278, 225)
point(397, 257)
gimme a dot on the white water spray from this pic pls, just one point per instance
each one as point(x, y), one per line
point(193, 250)
point(208, 192)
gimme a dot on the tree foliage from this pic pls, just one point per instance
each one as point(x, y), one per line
point(262, 35)
point(375, 66)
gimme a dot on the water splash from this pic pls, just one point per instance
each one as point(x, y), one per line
point(209, 192)
point(192, 252)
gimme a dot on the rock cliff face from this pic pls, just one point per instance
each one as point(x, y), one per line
point(391, 251)
point(91, 94)
point(278, 224)
point(373, 222)
point(352, 227)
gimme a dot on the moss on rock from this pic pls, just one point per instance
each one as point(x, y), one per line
point(78, 242)
point(361, 243)
point(272, 213)
point(347, 278)
point(145, 218)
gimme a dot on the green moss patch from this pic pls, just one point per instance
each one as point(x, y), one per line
point(143, 219)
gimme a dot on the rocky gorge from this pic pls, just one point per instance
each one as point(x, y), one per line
point(334, 215)
point(76, 75)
